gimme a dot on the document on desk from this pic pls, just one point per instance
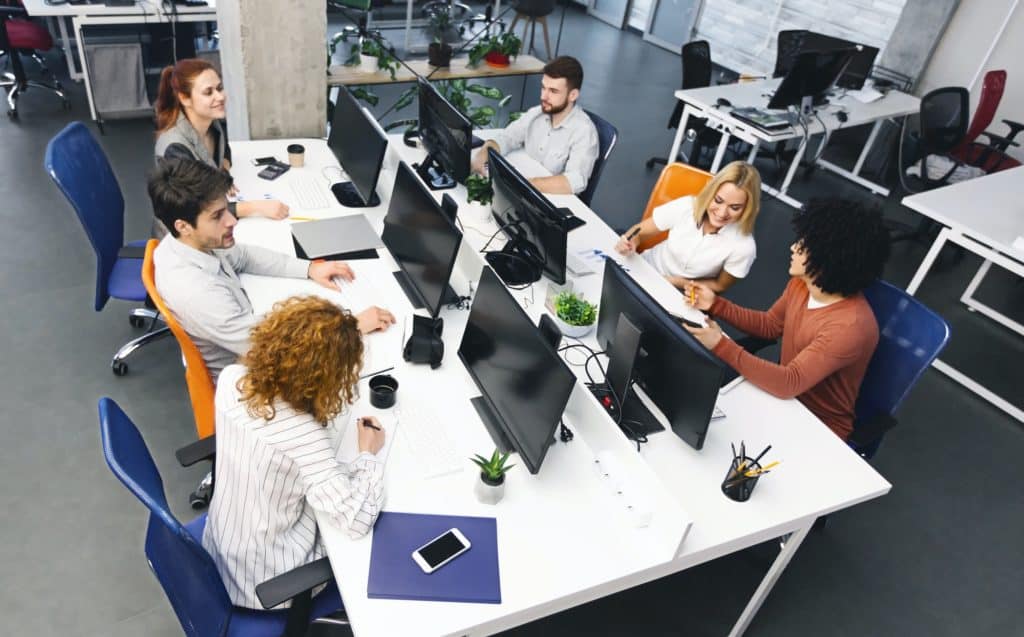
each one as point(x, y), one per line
point(347, 429)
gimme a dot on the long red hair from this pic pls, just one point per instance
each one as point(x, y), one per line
point(174, 81)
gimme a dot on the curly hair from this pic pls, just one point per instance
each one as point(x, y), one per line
point(846, 243)
point(308, 352)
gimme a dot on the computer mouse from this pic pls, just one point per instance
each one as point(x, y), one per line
point(723, 102)
point(842, 116)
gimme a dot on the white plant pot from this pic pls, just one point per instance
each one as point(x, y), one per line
point(368, 63)
point(487, 493)
point(477, 212)
point(574, 331)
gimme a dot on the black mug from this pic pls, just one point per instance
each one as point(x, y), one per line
point(382, 391)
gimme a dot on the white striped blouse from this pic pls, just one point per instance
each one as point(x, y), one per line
point(271, 477)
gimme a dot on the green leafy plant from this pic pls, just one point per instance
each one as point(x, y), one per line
point(575, 310)
point(478, 188)
point(507, 43)
point(493, 470)
point(458, 93)
point(440, 25)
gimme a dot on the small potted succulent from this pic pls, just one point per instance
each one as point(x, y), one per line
point(490, 488)
point(574, 314)
point(478, 196)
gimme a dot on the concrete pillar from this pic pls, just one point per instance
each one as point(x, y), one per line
point(273, 57)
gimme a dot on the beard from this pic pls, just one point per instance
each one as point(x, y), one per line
point(553, 109)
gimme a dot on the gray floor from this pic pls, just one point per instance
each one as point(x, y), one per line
point(934, 557)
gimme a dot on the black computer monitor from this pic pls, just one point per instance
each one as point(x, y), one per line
point(812, 74)
point(679, 375)
point(423, 240)
point(359, 145)
point(537, 229)
point(448, 138)
point(523, 382)
point(860, 65)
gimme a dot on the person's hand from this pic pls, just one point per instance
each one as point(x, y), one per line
point(699, 295)
point(269, 208)
point(374, 319)
point(480, 161)
point(709, 336)
point(323, 272)
point(626, 246)
point(371, 434)
point(233, 191)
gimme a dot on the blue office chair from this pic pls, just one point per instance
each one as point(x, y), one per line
point(607, 136)
point(176, 555)
point(80, 169)
point(910, 337)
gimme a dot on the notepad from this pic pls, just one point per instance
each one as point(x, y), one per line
point(336, 235)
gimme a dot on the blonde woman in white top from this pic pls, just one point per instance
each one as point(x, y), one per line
point(710, 235)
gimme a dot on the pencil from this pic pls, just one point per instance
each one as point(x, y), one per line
point(301, 219)
point(635, 232)
point(693, 295)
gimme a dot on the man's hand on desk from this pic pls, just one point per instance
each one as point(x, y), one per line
point(374, 319)
point(708, 336)
point(323, 272)
point(269, 208)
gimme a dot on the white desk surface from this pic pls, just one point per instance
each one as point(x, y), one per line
point(989, 208)
point(756, 94)
point(553, 526)
point(39, 8)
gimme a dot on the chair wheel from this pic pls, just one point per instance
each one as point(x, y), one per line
point(119, 368)
point(136, 321)
point(13, 114)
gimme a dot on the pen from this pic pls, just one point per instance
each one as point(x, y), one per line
point(635, 232)
point(366, 423)
point(761, 455)
point(693, 295)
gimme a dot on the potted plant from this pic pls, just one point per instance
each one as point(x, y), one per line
point(490, 488)
point(478, 196)
point(441, 28)
point(497, 50)
point(574, 314)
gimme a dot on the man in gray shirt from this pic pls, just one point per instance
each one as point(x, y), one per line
point(198, 263)
point(557, 133)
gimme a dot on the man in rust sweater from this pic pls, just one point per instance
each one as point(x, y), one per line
point(828, 330)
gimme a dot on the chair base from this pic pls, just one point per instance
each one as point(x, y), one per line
point(118, 365)
point(17, 88)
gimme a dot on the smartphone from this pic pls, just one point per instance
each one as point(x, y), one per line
point(441, 550)
point(263, 161)
point(273, 171)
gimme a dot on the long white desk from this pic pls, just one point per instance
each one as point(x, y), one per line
point(985, 216)
point(565, 536)
point(703, 102)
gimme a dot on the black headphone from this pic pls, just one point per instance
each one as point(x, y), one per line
point(425, 344)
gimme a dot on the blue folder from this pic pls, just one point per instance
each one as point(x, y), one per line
point(470, 577)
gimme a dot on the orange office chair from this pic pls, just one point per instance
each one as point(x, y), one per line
point(676, 180)
point(197, 376)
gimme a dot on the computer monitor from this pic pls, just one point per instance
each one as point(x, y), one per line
point(678, 374)
point(448, 138)
point(537, 229)
point(423, 240)
point(359, 145)
point(812, 74)
point(860, 65)
point(524, 384)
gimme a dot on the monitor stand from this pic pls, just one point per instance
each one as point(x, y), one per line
point(622, 358)
point(347, 196)
point(514, 264)
point(433, 175)
point(448, 296)
point(494, 423)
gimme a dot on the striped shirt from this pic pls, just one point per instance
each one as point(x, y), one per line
point(271, 479)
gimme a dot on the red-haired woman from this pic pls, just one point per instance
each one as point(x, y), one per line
point(190, 124)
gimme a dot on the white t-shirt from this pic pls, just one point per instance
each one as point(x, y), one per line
point(689, 253)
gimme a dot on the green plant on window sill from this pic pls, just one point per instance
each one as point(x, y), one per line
point(575, 310)
point(505, 45)
point(493, 471)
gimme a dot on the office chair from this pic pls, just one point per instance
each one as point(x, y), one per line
point(676, 180)
point(532, 12)
point(696, 65)
point(186, 571)
point(607, 136)
point(21, 36)
point(787, 47)
point(990, 157)
point(77, 165)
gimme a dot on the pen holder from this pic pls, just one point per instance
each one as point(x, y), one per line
point(736, 485)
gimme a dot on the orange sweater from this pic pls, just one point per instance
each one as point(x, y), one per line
point(825, 351)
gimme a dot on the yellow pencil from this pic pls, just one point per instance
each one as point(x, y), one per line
point(301, 219)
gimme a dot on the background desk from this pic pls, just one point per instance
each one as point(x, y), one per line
point(564, 536)
point(985, 216)
point(703, 102)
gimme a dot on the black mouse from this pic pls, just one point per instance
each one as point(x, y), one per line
point(723, 102)
point(842, 116)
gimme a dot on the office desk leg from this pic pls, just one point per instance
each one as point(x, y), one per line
point(723, 142)
point(780, 194)
point(929, 259)
point(854, 175)
point(69, 55)
point(753, 151)
point(779, 565)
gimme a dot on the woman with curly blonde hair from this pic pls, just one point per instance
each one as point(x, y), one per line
point(276, 462)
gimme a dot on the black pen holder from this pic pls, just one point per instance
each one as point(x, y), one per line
point(425, 344)
point(737, 485)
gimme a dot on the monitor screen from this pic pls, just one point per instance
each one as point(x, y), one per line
point(540, 224)
point(357, 143)
point(523, 380)
point(676, 372)
point(860, 65)
point(445, 132)
point(421, 237)
point(813, 73)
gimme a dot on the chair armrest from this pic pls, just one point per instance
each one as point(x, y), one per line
point(202, 449)
point(868, 431)
point(1015, 127)
point(998, 141)
point(286, 586)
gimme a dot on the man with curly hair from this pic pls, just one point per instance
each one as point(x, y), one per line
point(828, 330)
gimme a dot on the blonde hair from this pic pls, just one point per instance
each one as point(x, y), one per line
point(308, 352)
point(743, 176)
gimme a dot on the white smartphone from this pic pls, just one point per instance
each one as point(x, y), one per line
point(441, 550)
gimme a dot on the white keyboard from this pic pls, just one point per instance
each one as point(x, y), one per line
point(430, 441)
point(577, 266)
point(309, 192)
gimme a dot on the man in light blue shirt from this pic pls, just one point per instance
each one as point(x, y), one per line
point(556, 133)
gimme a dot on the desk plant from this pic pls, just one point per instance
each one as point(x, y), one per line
point(490, 489)
point(479, 195)
point(496, 50)
point(575, 315)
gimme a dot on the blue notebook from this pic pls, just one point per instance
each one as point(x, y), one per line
point(470, 577)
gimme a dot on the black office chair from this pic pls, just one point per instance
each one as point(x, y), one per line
point(696, 66)
point(607, 136)
point(786, 49)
